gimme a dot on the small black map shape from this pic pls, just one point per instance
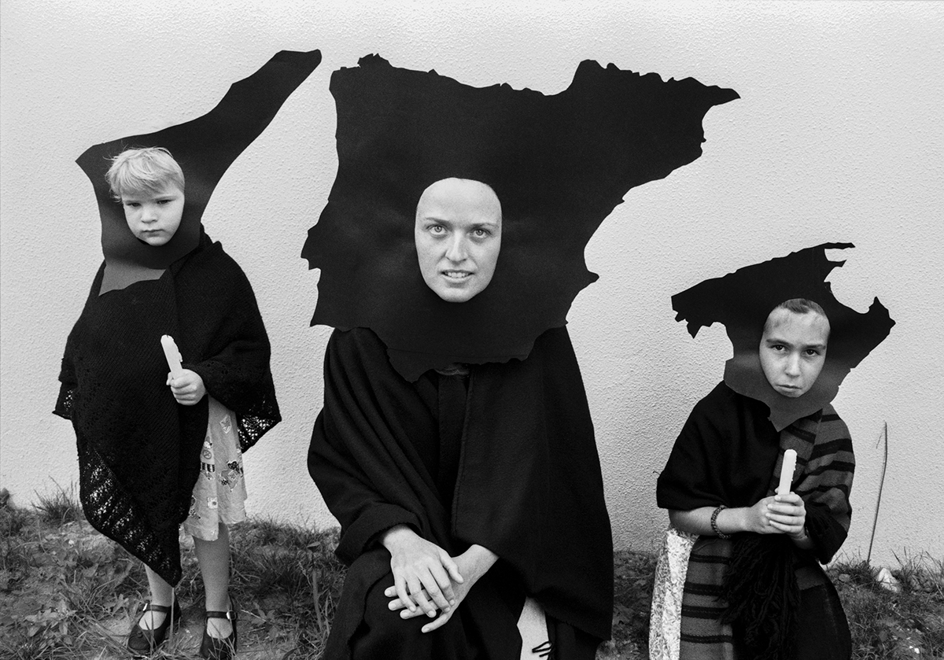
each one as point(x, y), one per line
point(742, 300)
point(559, 164)
point(204, 148)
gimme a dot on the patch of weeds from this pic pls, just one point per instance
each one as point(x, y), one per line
point(130, 580)
point(55, 581)
point(38, 626)
point(19, 549)
point(67, 592)
point(906, 621)
point(59, 507)
point(922, 600)
point(289, 581)
point(14, 554)
point(633, 574)
point(921, 573)
point(859, 573)
point(275, 569)
point(34, 648)
point(92, 591)
point(12, 518)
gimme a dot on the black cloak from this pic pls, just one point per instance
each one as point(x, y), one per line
point(528, 485)
point(139, 450)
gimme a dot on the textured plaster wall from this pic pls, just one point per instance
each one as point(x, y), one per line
point(838, 137)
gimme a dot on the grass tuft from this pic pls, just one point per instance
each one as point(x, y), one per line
point(59, 507)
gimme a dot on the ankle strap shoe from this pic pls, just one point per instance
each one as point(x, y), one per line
point(214, 648)
point(144, 642)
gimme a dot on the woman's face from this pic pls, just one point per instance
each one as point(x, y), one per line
point(458, 237)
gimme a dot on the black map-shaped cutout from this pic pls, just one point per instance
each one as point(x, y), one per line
point(742, 300)
point(204, 148)
point(559, 165)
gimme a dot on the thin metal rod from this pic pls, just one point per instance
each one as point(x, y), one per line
point(881, 485)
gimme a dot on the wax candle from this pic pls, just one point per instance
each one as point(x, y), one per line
point(172, 353)
point(786, 472)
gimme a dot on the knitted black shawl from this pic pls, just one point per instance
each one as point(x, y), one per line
point(138, 449)
point(529, 485)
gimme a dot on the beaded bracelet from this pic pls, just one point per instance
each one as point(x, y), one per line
point(714, 523)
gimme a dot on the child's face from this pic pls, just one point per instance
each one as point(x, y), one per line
point(793, 350)
point(154, 218)
point(458, 237)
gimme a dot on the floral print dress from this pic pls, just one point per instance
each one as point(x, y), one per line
point(219, 495)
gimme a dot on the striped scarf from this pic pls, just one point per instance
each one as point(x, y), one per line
point(756, 572)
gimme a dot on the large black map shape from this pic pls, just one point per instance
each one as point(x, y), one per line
point(559, 165)
point(204, 148)
point(742, 300)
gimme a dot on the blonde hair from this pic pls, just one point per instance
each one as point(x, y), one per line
point(143, 170)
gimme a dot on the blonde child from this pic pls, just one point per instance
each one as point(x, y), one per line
point(157, 451)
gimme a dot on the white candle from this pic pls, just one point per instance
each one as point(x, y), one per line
point(786, 472)
point(172, 353)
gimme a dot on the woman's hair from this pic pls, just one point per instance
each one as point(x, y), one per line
point(797, 306)
point(143, 170)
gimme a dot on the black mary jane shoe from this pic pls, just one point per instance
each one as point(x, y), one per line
point(215, 648)
point(143, 642)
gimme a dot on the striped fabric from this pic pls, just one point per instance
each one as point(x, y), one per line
point(823, 478)
point(702, 634)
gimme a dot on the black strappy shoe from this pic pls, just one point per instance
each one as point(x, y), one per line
point(214, 648)
point(143, 642)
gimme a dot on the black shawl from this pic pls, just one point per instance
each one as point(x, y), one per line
point(138, 449)
point(529, 485)
point(729, 453)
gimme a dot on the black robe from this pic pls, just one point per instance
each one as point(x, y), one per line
point(139, 450)
point(527, 486)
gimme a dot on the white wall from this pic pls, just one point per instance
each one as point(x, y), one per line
point(838, 137)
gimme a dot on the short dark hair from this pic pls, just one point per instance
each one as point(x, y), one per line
point(797, 306)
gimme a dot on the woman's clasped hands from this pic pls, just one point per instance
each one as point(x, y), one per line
point(427, 580)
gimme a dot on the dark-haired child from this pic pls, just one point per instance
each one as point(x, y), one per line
point(739, 575)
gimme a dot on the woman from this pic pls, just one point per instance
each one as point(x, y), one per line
point(455, 446)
